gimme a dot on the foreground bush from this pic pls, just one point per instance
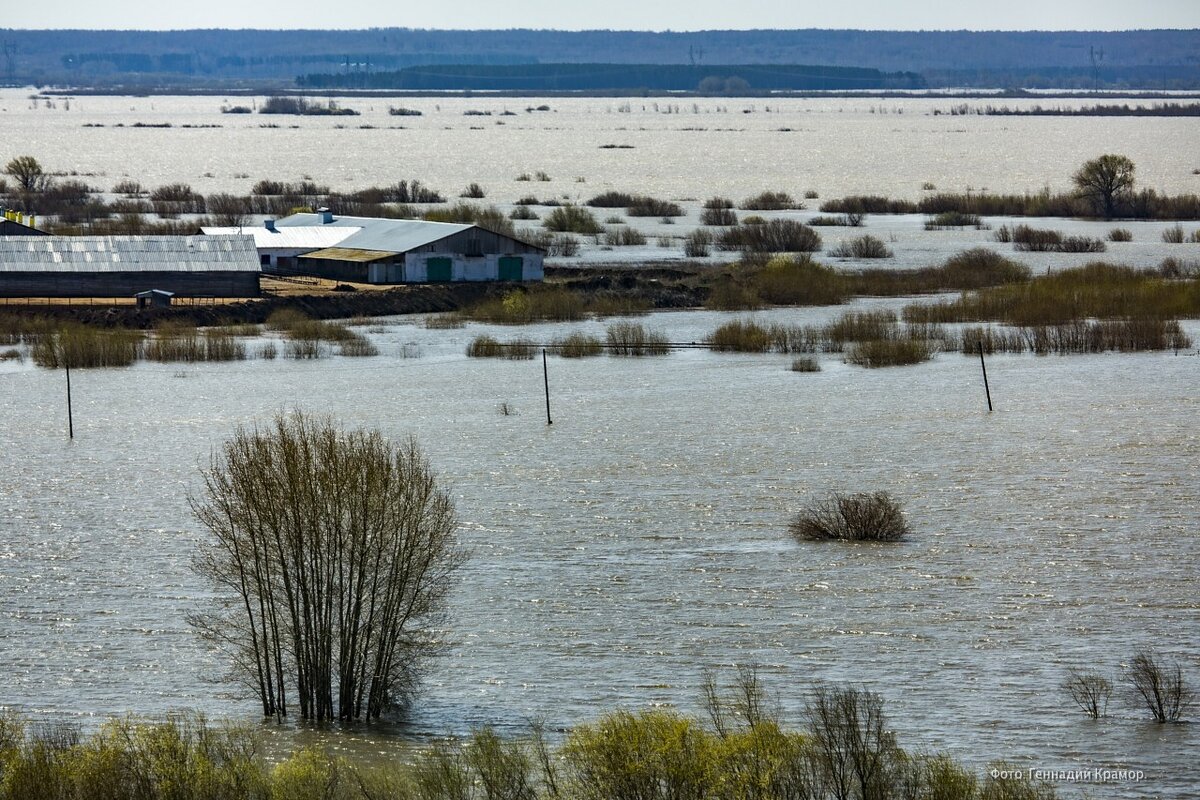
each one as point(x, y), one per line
point(851, 518)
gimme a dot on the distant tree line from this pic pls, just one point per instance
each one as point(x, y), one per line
point(714, 78)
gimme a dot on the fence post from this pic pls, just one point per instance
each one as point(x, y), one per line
point(546, 379)
point(982, 365)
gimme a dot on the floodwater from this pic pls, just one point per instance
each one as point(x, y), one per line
point(642, 537)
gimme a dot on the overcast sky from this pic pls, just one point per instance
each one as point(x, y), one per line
point(614, 14)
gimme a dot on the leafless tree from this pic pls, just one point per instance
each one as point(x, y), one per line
point(1090, 691)
point(28, 173)
point(857, 753)
point(1160, 685)
point(1105, 180)
point(333, 552)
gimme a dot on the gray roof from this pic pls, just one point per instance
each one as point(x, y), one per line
point(296, 237)
point(385, 235)
point(128, 254)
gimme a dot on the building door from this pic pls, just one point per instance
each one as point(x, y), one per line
point(510, 268)
point(437, 269)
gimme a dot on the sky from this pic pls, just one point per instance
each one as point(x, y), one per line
point(685, 15)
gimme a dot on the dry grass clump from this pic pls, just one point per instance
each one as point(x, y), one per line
point(773, 236)
point(1032, 239)
point(357, 346)
point(860, 326)
point(862, 517)
point(972, 269)
point(634, 339)
point(740, 336)
point(484, 346)
point(444, 322)
point(799, 281)
point(176, 343)
point(578, 345)
point(770, 201)
point(612, 200)
point(1173, 235)
point(1120, 235)
point(285, 319)
point(865, 246)
point(806, 364)
point(525, 306)
point(878, 353)
point(18, 328)
point(729, 295)
point(522, 213)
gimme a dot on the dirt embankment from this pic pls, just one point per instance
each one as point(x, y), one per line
point(656, 287)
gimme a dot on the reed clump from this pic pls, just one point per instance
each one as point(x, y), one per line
point(860, 517)
point(358, 346)
point(444, 322)
point(1120, 235)
point(1078, 337)
point(954, 219)
point(188, 344)
point(484, 346)
point(1095, 291)
point(650, 207)
point(634, 339)
point(81, 346)
point(972, 269)
point(878, 353)
point(578, 345)
point(806, 364)
point(522, 307)
point(786, 280)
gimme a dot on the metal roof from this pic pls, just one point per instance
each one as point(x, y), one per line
point(297, 237)
point(349, 254)
point(128, 254)
point(383, 235)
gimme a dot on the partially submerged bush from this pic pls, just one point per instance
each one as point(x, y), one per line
point(718, 211)
point(862, 517)
point(650, 207)
point(770, 201)
point(697, 244)
point(866, 246)
point(578, 345)
point(953, 219)
point(806, 364)
point(1173, 235)
point(572, 219)
point(633, 339)
point(1120, 235)
point(80, 346)
point(484, 346)
point(1161, 686)
point(774, 236)
point(1090, 691)
point(878, 353)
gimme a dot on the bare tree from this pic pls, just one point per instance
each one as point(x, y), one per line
point(1160, 685)
point(28, 173)
point(1104, 180)
point(334, 552)
point(1090, 691)
point(857, 753)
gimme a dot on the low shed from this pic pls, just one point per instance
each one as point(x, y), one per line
point(122, 266)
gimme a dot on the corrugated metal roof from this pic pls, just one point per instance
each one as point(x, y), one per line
point(384, 235)
point(309, 237)
point(348, 254)
point(128, 254)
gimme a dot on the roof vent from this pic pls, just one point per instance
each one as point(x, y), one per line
point(326, 215)
point(269, 224)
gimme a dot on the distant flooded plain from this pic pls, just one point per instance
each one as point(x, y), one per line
point(642, 538)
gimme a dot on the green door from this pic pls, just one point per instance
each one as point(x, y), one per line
point(510, 268)
point(437, 269)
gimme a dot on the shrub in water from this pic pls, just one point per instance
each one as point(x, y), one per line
point(1120, 235)
point(862, 517)
point(866, 246)
point(572, 219)
point(769, 201)
point(633, 339)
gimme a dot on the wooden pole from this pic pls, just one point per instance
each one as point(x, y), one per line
point(70, 418)
point(986, 389)
point(546, 379)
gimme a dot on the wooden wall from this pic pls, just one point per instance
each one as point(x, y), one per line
point(127, 284)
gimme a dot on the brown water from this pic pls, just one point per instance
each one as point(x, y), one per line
point(642, 537)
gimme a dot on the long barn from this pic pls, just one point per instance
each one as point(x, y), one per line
point(122, 266)
point(415, 251)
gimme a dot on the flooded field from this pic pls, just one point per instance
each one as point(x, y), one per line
point(642, 537)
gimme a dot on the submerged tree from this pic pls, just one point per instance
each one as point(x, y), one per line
point(1104, 181)
point(334, 552)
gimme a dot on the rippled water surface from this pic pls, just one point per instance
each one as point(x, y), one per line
point(642, 537)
